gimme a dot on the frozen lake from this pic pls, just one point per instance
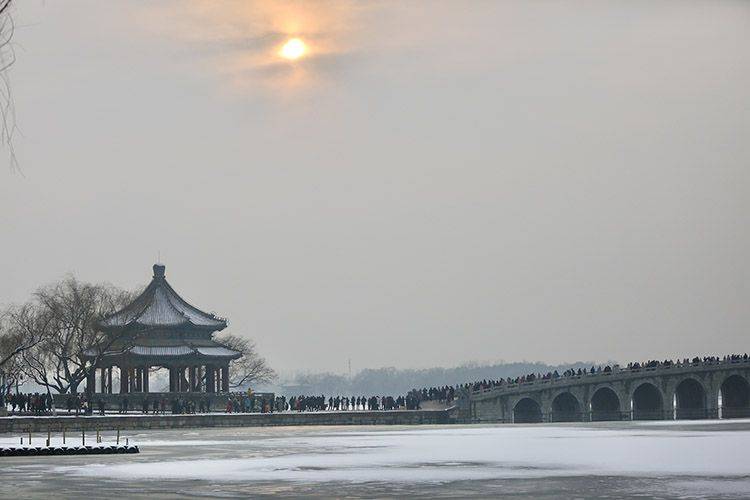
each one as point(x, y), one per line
point(708, 459)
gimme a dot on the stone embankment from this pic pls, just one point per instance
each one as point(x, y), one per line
point(141, 422)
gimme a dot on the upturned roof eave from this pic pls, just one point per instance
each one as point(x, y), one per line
point(139, 306)
point(135, 325)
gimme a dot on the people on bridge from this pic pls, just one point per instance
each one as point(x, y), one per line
point(606, 369)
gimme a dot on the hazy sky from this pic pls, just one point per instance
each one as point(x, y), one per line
point(434, 183)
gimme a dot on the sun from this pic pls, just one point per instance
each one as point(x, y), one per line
point(293, 49)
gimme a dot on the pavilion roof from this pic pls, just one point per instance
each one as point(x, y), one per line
point(165, 348)
point(159, 306)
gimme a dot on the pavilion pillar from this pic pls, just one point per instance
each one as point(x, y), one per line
point(145, 378)
point(171, 380)
point(103, 381)
point(91, 382)
point(124, 383)
point(109, 380)
point(191, 385)
point(138, 379)
point(225, 378)
point(184, 383)
point(210, 379)
point(199, 379)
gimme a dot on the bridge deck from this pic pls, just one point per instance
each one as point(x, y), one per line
point(617, 374)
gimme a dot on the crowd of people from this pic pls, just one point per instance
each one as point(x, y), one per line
point(302, 403)
point(239, 402)
point(161, 405)
point(596, 370)
point(38, 404)
point(446, 393)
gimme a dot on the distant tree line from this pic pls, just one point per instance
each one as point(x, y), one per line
point(401, 381)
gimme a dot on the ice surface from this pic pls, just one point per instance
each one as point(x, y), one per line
point(700, 459)
point(453, 453)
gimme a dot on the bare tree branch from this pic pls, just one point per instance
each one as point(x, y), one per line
point(7, 58)
point(251, 368)
point(65, 315)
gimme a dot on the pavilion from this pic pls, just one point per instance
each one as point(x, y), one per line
point(160, 329)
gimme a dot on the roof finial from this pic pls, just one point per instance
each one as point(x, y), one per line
point(159, 270)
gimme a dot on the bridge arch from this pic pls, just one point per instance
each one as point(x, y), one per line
point(648, 402)
point(735, 397)
point(527, 411)
point(690, 399)
point(605, 405)
point(566, 408)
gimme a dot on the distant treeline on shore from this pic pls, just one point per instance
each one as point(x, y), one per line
point(395, 381)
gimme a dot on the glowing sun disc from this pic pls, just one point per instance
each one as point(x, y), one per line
point(293, 49)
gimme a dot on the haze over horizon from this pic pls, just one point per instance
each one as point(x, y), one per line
point(414, 187)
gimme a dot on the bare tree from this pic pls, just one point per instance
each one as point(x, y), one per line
point(251, 368)
point(7, 58)
point(11, 374)
point(73, 345)
point(20, 330)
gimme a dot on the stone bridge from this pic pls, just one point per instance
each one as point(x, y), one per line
point(717, 389)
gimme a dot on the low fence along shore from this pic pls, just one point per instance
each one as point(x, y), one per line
point(18, 424)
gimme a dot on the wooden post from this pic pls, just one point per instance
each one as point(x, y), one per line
point(49, 435)
point(118, 436)
point(210, 379)
point(225, 378)
point(91, 381)
point(181, 379)
point(83, 437)
point(191, 374)
point(29, 436)
point(145, 378)
point(63, 435)
point(123, 380)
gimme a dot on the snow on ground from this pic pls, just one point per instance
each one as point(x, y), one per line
point(452, 453)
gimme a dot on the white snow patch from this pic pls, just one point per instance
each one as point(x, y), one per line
point(453, 453)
